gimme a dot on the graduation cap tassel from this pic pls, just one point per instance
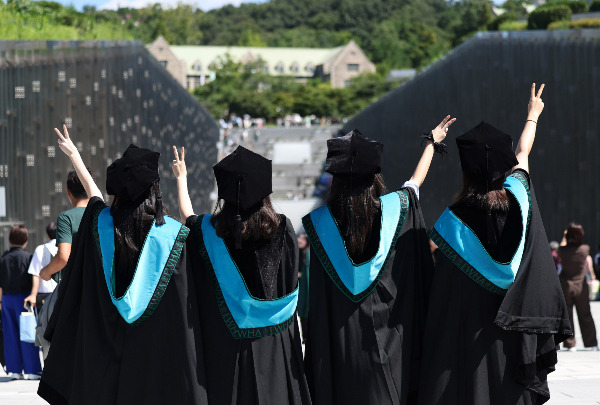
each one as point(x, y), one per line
point(238, 221)
point(350, 210)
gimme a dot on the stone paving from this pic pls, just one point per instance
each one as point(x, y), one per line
point(576, 380)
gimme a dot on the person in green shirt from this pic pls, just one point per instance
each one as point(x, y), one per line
point(67, 226)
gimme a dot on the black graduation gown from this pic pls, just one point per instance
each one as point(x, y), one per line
point(250, 370)
point(97, 358)
point(483, 347)
point(368, 352)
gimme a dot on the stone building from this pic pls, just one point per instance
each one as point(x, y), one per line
point(194, 65)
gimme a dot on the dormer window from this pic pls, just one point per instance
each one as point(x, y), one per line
point(197, 66)
point(294, 67)
point(279, 67)
point(310, 68)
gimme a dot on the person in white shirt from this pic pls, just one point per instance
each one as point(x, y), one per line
point(42, 255)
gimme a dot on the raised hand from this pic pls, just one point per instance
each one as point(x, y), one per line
point(440, 132)
point(65, 143)
point(179, 169)
point(536, 105)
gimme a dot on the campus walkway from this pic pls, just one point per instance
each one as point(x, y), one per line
point(576, 380)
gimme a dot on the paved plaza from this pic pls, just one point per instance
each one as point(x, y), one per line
point(576, 380)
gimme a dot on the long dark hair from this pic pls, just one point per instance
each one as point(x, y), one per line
point(260, 222)
point(354, 203)
point(132, 221)
point(474, 193)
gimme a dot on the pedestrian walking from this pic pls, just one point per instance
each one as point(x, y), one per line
point(576, 262)
point(22, 359)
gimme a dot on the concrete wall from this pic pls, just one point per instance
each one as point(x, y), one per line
point(109, 94)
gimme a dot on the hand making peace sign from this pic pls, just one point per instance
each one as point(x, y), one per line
point(179, 169)
point(536, 105)
point(65, 143)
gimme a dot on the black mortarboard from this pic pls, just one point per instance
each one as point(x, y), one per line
point(133, 174)
point(353, 154)
point(246, 172)
point(486, 153)
point(244, 178)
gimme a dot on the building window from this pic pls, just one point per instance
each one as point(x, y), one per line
point(279, 67)
point(197, 67)
point(310, 68)
point(265, 69)
point(163, 63)
point(294, 68)
point(347, 83)
point(352, 67)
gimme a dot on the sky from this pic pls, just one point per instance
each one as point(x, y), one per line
point(114, 4)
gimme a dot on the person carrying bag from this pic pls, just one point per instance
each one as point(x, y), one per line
point(27, 325)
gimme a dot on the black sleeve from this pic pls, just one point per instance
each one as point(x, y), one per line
point(191, 220)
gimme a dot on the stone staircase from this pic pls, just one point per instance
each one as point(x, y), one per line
point(298, 156)
point(291, 179)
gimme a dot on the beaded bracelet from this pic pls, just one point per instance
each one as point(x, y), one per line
point(437, 146)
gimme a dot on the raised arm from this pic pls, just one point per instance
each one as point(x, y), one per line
point(180, 172)
point(439, 133)
point(534, 109)
point(66, 145)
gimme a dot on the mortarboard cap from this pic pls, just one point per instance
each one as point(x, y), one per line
point(353, 154)
point(486, 153)
point(251, 171)
point(130, 176)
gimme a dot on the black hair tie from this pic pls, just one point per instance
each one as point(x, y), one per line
point(437, 146)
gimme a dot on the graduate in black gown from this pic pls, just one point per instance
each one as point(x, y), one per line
point(245, 257)
point(496, 311)
point(125, 328)
point(370, 268)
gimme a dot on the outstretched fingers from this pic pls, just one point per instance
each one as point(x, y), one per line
point(176, 154)
point(450, 122)
point(539, 94)
point(532, 91)
point(61, 138)
point(182, 153)
point(444, 121)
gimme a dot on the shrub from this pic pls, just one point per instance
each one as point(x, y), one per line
point(513, 26)
point(541, 17)
point(595, 5)
point(494, 25)
point(576, 6)
point(559, 25)
point(586, 23)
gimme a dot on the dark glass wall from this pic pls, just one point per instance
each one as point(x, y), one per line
point(109, 94)
point(489, 78)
